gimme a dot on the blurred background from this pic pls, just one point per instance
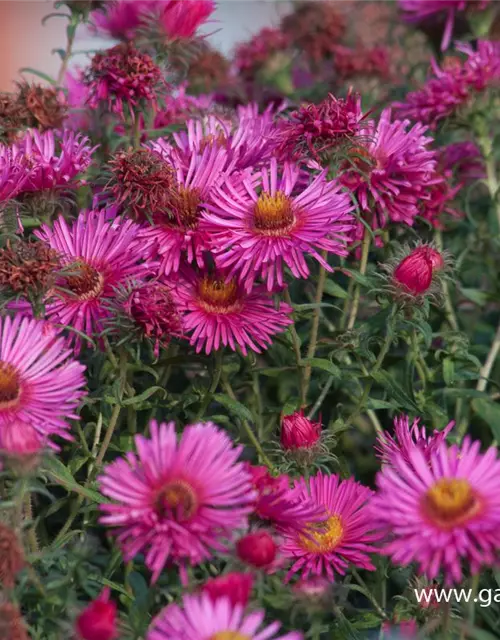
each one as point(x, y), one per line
point(26, 42)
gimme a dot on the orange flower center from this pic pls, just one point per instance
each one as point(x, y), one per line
point(323, 537)
point(185, 207)
point(217, 296)
point(178, 498)
point(10, 389)
point(230, 635)
point(450, 502)
point(212, 139)
point(87, 284)
point(273, 214)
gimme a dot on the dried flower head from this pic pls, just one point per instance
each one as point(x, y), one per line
point(13, 116)
point(28, 268)
point(11, 623)
point(123, 76)
point(11, 556)
point(208, 70)
point(141, 182)
point(315, 28)
point(46, 106)
point(252, 56)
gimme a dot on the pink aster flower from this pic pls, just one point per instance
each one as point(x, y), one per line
point(263, 221)
point(177, 233)
point(176, 501)
point(465, 160)
point(454, 85)
point(391, 171)
point(200, 618)
point(76, 95)
point(40, 383)
point(53, 160)
point(442, 511)
point(344, 538)
point(181, 19)
point(406, 439)
point(14, 172)
point(420, 10)
point(438, 207)
point(100, 254)
point(279, 504)
point(178, 106)
point(217, 311)
point(312, 130)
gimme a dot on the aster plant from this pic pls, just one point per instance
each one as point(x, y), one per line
point(249, 326)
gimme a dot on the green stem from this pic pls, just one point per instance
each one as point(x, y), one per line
point(383, 352)
point(369, 594)
point(315, 324)
point(365, 251)
point(296, 348)
point(226, 385)
point(448, 304)
point(71, 32)
point(213, 386)
point(486, 145)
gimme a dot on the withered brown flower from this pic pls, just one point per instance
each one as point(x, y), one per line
point(11, 556)
point(11, 623)
point(28, 267)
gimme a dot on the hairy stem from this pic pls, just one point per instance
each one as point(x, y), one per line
point(315, 324)
point(296, 349)
point(70, 40)
point(365, 251)
point(213, 386)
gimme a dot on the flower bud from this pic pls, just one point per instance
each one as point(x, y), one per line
point(20, 446)
point(98, 620)
point(257, 549)
point(414, 273)
point(298, 432)
point(235, 586)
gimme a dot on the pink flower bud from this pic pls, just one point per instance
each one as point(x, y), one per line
point(235, 586)
point(20, 445)
point(414, 273)
point(257, 549)
point(298, 432)
point(98, 620)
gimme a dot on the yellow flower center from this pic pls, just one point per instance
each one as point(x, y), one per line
point(273, 214)
point(87, 284)
point(230, 635)
point(10, 389)
point(176, 498)
point(185, 207)
point(217, 296)
point(450, 502)
point(324, 537)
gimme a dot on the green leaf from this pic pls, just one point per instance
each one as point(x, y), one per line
point(39, 74)
point(143, 396)
point(449, 371)
point(234, 406)
point(55, 15)
point(335, 290)
point(475, 295)
point(489, 412)
point(394, 389)
point(60, 474)
point(325, 365)
point(375, 404)
point(358, 277)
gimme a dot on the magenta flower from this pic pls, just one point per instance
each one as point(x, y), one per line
point(123, 77)
point(420, 10)
point(177, 234)
point(454, 85)
point(176, 501)
point(391, 172)
point(40, 383)
point(442, 511)
point(465, 160)
point(279, 504)
point(120, 19)
point(53, 160)
point(262, 221)
point(438, 207)
point(312, 129)
point(252, 56)
point(76, 95)
point(201, 618)
point(406, 439)
point(217, 311)
point(13, 172)
point(99, 254)
point(178, 106)
point(344, 538)
point(180, 19)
